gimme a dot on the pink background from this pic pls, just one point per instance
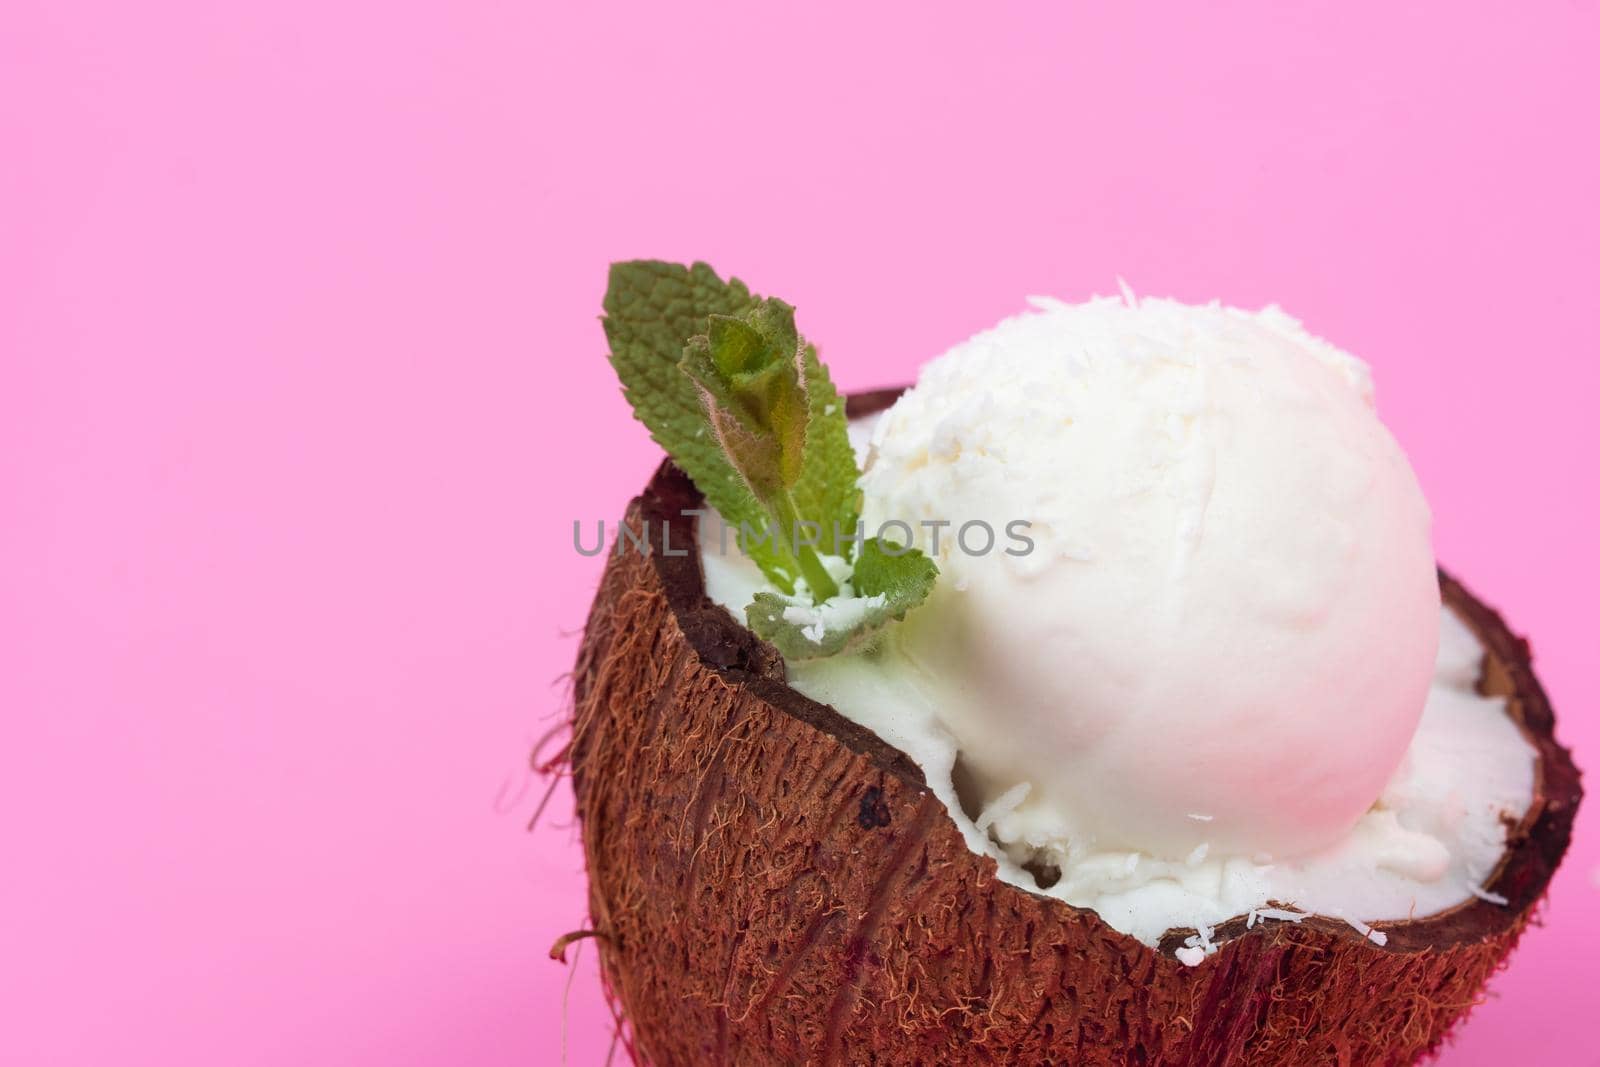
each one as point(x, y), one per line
point(301, 388)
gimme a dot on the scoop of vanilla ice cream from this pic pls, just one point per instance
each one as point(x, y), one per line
point(1224, 633)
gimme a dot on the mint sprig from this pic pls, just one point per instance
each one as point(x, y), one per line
point(742, 404)
point(750, 370)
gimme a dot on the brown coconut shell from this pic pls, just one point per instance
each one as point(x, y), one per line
point(772, 884)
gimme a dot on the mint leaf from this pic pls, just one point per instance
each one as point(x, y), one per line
point(809, 631)
point(827, 492)
point(888, 582)
point(651, 310)
point(748, 371)
point(902, 575)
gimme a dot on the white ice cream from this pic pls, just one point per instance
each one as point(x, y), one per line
point(1200, 691)
point(1231, 607)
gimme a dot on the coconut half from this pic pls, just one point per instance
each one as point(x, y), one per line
point(771, 883)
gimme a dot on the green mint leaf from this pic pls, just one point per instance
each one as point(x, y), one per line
point(748, 371)
point(651, 311)
point(800, 631)
point(888, 582)
point(902, 575)
point(827, 492)
point(751, 370)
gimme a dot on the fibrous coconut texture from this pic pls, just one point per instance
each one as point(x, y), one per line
point(772, 884)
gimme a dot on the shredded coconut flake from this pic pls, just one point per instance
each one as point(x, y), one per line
point(1199, 942)
point(1280, 914)
point(1377, 937)
point(1127, 292)
point(1003, 805)
point(843, 612)
point(1484, 894)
